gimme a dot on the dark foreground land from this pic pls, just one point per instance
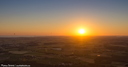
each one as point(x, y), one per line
point(107, 51)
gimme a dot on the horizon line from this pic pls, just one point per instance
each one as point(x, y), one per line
point(64, 36)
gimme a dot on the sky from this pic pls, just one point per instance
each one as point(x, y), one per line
point(63, 17)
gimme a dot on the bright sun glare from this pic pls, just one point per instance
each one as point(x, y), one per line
point(81, 31)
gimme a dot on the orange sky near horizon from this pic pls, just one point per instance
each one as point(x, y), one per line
point(63, 18)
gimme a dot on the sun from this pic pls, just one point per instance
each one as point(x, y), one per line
point(81, 31)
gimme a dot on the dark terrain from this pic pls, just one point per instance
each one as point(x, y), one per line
point(60, 51)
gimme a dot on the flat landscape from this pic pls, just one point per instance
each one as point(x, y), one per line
point(65, 51)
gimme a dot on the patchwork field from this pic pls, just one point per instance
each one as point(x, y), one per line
point(105, 51)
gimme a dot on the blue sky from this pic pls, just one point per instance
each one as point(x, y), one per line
point(41, 17)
